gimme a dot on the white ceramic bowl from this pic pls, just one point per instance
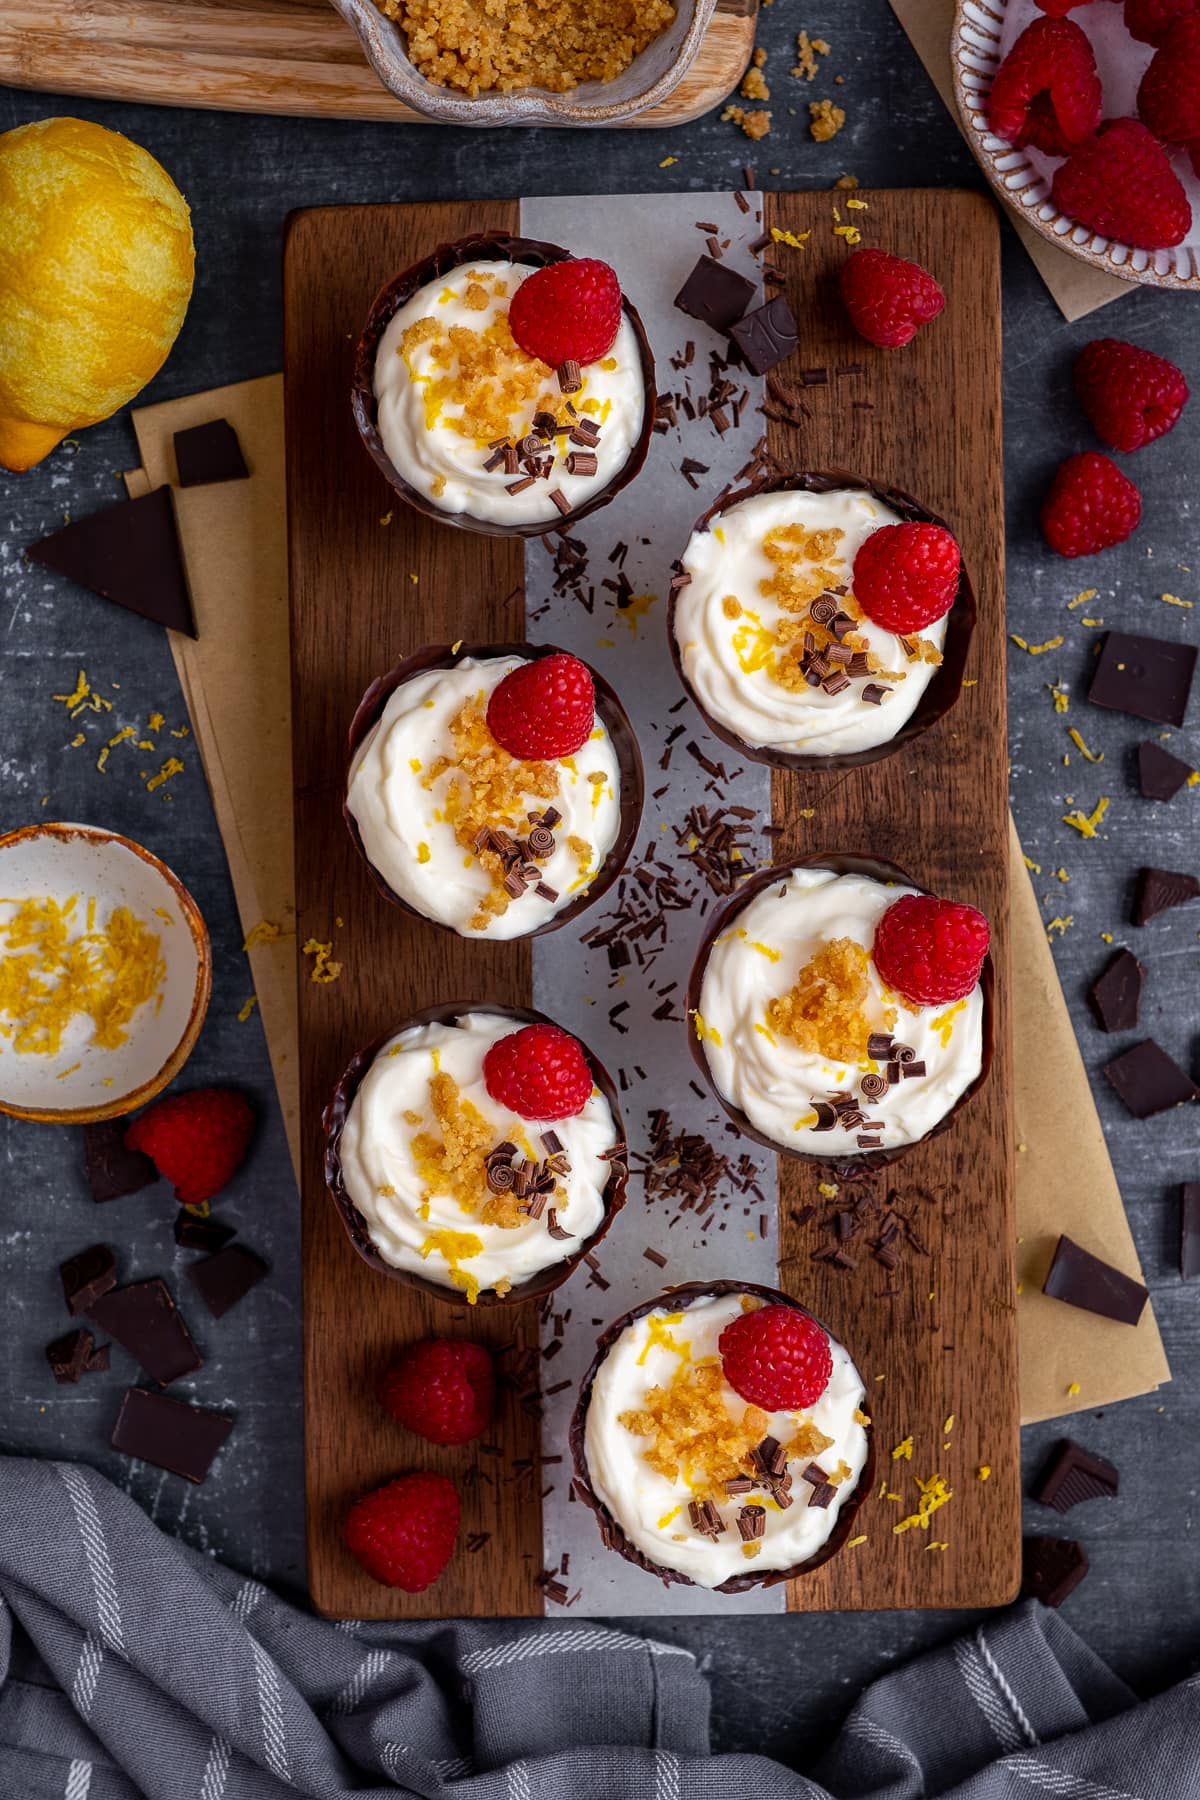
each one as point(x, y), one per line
point(82, 1083)
point(984, 31)
point(648, 80)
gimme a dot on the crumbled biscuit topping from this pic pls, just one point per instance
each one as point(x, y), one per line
point(453, 1160)
point(824, 1012)
point(480, 45)
point(692, 1432)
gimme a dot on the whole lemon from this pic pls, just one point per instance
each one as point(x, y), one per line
point(96, 265)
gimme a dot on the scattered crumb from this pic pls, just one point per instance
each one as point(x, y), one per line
point(807, 51)
point(247, 1008)
point(983, 1471)
point(323, 970)
point(754, 83)
point(827, 120)
point(755, 124)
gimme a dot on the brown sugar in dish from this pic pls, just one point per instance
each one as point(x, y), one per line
point(479, 46)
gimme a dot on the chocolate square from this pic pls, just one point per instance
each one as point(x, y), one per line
point(1116, 993)
point(144, 1320)
point(169, 1433)
point(87, 1276)
point(1080, 1279)
point(113, 1169)
point(715, 294)
point(209, 453)
point(1149, 1081)
point(224, 1279)
point(1160, 889)
point(1051, 1568)
point(1160, 774)
point(1144, 676)
point(1074, 1475)
point(767, 335)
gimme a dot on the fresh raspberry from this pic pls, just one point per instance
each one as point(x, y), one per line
point(1090, 505)
point(1168, 99)
point(776, 1357)
point(930, 950)
point(403, 1533)
point(1150, 20)
point(906, 576)
point(442, 1388)
point(1120, 185)
point(1130, 395)
point(196, 1140)
point(544, 708)
point(539, 1072)
point(567, 312)
point(1047, 90)
point(887, 298)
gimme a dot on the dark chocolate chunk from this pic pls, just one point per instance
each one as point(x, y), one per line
point(169, 1433)
point(1189, 1232)
point(70, 1356)
point(1158, 890)
point(1116, 993)
point(144, 1320)
point(1149, 1081)
point(193, 1232)
point(716, 294)
point(1074, 1474)
point(208, 453)
point(98, 1361)
point(1051, 1568)
point(766, 335)
point(822, 1494)
point(1081, 1279)
point(128, 553)
point(224, 1279)
point(87, 1276)
point(1144, 676)
point(113, 1169)
point(1160, 774)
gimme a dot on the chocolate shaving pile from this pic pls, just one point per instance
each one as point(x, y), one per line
point(685, 1171)
point(520, 856)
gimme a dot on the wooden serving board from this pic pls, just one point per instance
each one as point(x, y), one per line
point(272, 56)
point(941, 1331)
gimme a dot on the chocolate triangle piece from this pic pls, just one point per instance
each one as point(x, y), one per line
point(208, 453)
point(88, 1276)
point(195, 1233)
point(1080, 1279)
point(1149, 1081)
point(113, 1169)
point(1160, 774)
point(1051, 1568)
point(70, 1356)
point(144, 1320)
point(227, 1277)
point(1116, 993)
point(1073, 1475)
point(128, 553)
point(1160, 889)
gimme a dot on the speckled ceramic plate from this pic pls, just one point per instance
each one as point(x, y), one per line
point(648, 80)
point(984, 32)
point(82, 1083)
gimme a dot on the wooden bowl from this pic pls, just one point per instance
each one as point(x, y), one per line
point(877, 870)
point(614, 1536)
point(983, 32)
point(82, 1085)
point(648, 80)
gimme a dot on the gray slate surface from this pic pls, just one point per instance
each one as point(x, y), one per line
point(780, 1684)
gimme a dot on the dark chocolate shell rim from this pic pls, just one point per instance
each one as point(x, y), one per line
point(943, 692)
point(611, 1529)
point(333, 1121)
point(841, 864)
point(488, 246)
point(615, 720)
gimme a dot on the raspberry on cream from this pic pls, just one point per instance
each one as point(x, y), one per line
point(773, 643)
point(700, 1481)
point(800, 1033)
point(453, 1185)
point(464, 832)
point(478, 426)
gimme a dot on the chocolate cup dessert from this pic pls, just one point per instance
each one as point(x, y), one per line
point(943, 691)
point(333, 1121)
point(613, 1532)
point(616, 721)
point(487, 246)
point(878, 870)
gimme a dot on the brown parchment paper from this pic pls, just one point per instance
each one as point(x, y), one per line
point(1077, 288)
point(237, 684)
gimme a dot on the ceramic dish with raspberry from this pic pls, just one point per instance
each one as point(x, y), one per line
point(721, 1438)
point(494, 789)
point(505, 386)
point(838, 1012)
point(477, 1152)
point(819, 621)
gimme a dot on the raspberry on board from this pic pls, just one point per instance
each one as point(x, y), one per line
point(1130, 395)
point(544, 708)
point(887, 298)
point(441, 1388)
point(1120, 184)
point(932, 951)
point(1091, 505)
point(403, 1534)
point(776, 1357)
point(1046, 92)
point(569, 311)
point(906, 576)
point(539, 1072)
